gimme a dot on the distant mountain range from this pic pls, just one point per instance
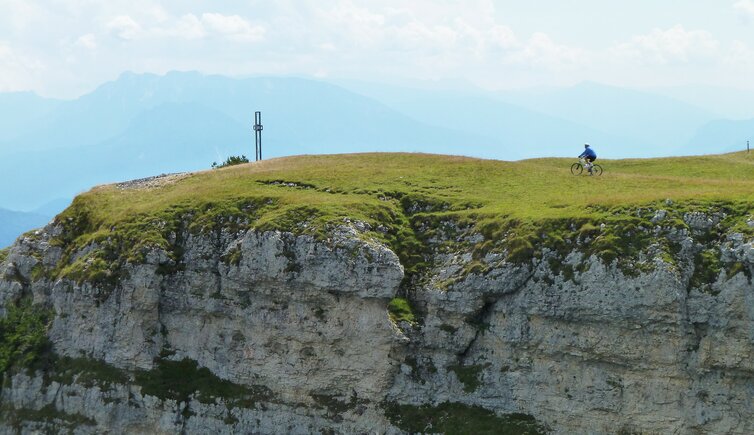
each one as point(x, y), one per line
point(144, 124)
point(539, 122)
point(646, 125)
point(15, 223)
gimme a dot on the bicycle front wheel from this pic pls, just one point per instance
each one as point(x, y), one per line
point(597, 170)
point(577, 169)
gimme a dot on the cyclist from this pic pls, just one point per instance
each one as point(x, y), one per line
point(589, 155)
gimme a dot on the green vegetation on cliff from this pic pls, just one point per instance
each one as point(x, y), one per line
point(519, 207)
point(457, 418)
point(23, 335)
point(400, 310)
point(180, 380)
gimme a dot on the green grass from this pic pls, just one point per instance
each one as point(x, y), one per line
point(531, 189)
point(519, 207)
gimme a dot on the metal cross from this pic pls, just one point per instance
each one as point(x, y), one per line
point(258, 134)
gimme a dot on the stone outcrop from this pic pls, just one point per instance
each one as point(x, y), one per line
point(292, 335)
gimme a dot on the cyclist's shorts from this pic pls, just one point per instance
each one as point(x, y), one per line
point(591, 159)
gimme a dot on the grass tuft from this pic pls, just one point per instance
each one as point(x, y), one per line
point(400, 310)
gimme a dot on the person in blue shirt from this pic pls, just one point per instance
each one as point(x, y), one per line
point(589, 155)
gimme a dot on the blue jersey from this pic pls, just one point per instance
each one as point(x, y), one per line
point(589, 153)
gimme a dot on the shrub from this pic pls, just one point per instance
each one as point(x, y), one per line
point(231, 161)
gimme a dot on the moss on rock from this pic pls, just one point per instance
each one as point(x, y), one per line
point(458, 418)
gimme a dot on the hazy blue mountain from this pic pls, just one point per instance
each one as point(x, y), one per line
point(144, 124)
point(555, 121)
point(523, 132)
point(52, 208)
point(20, 112)
point(722, 136)
point(649, 124)
point(15, 223)
point(730, 103)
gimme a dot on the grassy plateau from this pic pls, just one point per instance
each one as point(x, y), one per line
point(408, 195)
point(352, 185)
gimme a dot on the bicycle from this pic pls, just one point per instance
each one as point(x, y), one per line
point(578, 167)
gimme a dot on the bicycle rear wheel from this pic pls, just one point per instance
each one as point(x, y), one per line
point(597, 170)
point(577, 169)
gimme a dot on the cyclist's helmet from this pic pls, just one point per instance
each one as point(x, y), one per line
point(586, 145)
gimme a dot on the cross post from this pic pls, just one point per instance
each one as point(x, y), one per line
point(258, 135)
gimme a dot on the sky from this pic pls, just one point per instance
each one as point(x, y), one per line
point(64, 48)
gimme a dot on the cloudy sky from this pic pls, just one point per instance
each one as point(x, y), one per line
point(66, 47)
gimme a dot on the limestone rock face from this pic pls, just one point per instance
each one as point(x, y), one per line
point(300, 317)
point(600, 353)
point(582, 344)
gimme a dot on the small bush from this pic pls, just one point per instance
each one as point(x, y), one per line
point(231, 161)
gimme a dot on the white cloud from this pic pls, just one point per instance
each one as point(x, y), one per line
point(17, 71)
point(88, 41)
point(502, 37)
point(740, 55)
point(480, 41)
point(436, 37)
point(124, 27)
point(232, 26)
point(745, 9)
point(542, 51)
point(668, 47)
point(187, 26)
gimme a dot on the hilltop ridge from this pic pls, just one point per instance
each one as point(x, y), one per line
point(142, 124)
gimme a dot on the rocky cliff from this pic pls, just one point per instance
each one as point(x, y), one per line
point(639, 319)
